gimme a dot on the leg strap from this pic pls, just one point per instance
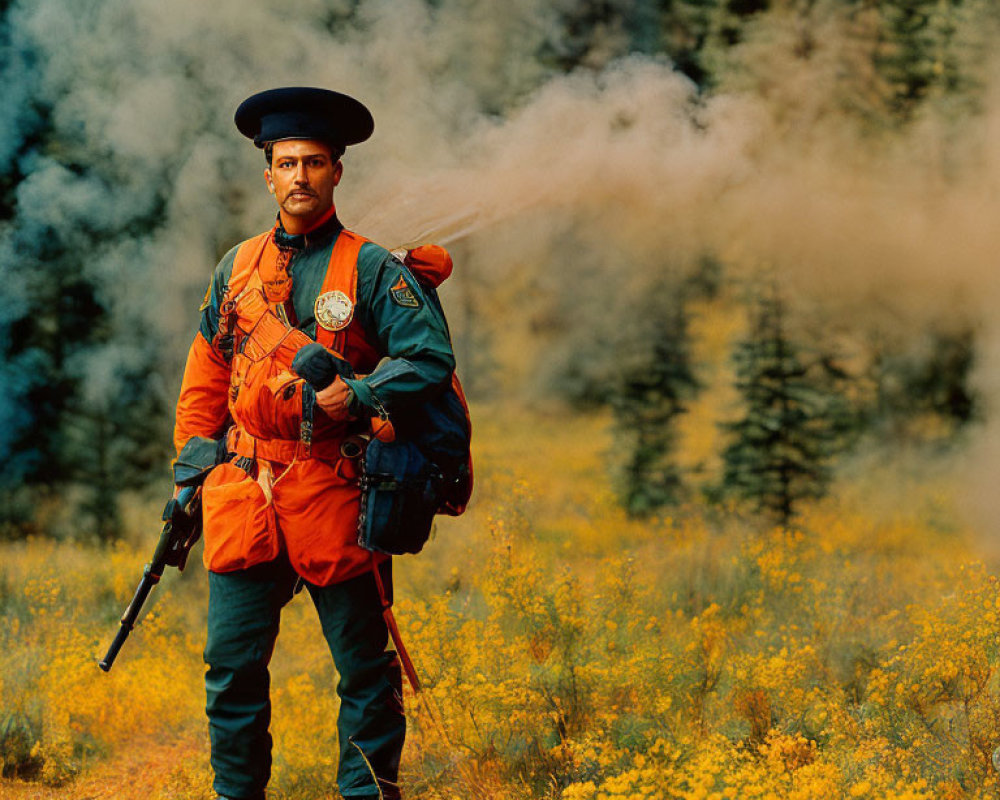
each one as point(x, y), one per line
point(390, 621)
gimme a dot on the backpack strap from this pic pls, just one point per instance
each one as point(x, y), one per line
point(244, 268)
point(341, 276)
point(245, 265)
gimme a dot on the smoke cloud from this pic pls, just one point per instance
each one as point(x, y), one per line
point(566, 197)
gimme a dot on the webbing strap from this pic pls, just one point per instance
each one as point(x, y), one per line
point(281, 451)
point(341, 275)
point(390, 621)
point(244, 272)
point(245, 264)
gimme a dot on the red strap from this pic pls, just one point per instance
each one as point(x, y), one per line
point(390, 621)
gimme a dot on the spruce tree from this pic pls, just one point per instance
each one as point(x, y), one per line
point(922, 389)
point(81, 405)
point(918, 55)
point(655, 384)
point(793, 422)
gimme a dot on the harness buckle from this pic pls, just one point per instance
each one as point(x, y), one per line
point(306, 436)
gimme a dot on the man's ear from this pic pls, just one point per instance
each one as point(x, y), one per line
point(270, 183)
point(338, 172)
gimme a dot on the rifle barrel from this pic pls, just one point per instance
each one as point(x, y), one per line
point(149, 580)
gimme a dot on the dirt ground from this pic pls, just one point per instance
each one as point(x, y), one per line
point(145, 771)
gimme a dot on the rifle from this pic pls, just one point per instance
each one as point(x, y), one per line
point(181, 529)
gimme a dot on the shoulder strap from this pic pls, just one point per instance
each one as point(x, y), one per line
point(341, 275)
point(244, 265)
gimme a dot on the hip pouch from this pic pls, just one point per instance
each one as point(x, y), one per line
point(400, 493)
point(425, 470)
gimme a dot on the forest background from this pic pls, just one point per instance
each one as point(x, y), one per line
point(724, 307)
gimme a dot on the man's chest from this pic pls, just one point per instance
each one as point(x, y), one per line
point(293, 280)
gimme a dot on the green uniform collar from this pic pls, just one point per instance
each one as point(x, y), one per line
point(304, 241)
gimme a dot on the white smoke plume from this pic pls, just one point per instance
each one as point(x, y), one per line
point(565, 195)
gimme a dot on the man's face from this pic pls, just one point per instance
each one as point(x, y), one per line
point(302, 177)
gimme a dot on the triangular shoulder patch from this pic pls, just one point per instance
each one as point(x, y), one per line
point(402, 294)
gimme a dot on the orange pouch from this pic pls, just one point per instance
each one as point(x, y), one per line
point(278, 406)
point(269, 401)
point(239, 521)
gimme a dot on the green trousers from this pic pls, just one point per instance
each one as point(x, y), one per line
point(244, 608)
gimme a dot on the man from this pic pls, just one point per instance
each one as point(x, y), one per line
point(284, 507)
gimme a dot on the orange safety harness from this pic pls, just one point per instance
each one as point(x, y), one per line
point(258, 338)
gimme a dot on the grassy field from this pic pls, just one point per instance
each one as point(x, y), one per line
point(567, 651)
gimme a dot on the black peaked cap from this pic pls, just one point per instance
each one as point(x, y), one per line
point(303, 112)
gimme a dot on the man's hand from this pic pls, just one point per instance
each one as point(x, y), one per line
point(334, 400)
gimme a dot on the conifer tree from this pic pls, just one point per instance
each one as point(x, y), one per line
point(793, 422)
point(920, 52)
point(60, 322)
point(922, 390)
point(656, 383)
